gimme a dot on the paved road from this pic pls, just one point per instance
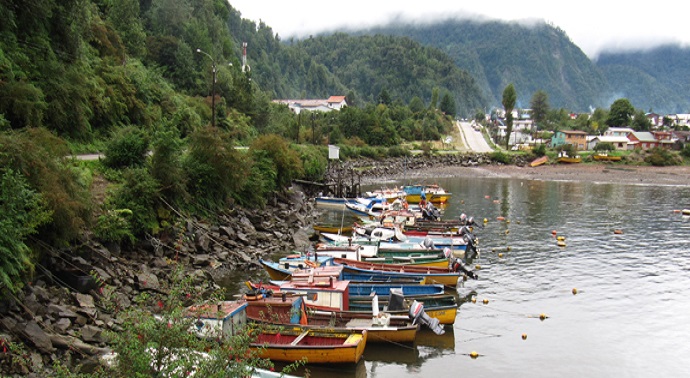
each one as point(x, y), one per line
point(473, 139)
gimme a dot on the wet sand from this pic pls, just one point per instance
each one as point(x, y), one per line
point(605, 173)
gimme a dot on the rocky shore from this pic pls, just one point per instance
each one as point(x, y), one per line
point(62, 315)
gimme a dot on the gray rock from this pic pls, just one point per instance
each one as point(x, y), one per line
point(39, 338)
point(91, 333)
point(148, 281)
point(201, 260)
point(62, 325)
point(84, 300)
point(61, 311)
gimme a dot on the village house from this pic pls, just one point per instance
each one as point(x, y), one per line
point(576, 138)
point(643, 140)
point(618, 142)
point(314, 105)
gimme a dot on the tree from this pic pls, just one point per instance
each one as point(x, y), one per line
point(434, 98)
point(640, 122)
point(22, 210)
point(540, 107)
point(509, 98)
point(448, 104)
point(621, 113)
point(384, 97)
point(416, 105)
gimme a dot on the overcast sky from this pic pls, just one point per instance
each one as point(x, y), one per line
point(592, 25)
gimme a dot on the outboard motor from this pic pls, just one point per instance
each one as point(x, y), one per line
point(418, 315)
point(457, 267)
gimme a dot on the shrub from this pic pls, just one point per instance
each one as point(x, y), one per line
point(127, 149)
point(398, 151)
point(660, 157)
point(216, 171)
point(314, 162)
point(22, 210)
point(501, 157)
point(138, 194)
point(604, 146)
point(288, 165)
point(539, 150)
point(685, 152)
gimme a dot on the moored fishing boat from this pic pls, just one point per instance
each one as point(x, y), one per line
point(316, 345)
point(447, 275)
point(539, 161)
point(606, 157)
point(432, 192)
point(286, 309)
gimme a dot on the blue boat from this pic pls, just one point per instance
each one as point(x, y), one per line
point(383, 289)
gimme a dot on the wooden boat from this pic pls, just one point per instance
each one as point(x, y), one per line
point(448, 275)
point(284, 309)
point(283, 270)
point(606, 157)
point(364, 271)
point(539, 161)
point(333, 229)
point(389, 194)
point(565, 159)
point(433, 193)
point(333, 203)
point(316, 345)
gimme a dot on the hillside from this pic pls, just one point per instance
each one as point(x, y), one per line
point(534, 57)
point(657, 79)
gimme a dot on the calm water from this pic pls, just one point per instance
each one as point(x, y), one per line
point(630, 317)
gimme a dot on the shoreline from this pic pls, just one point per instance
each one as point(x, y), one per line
point(599, 173)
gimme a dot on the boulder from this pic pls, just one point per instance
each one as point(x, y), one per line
point(91, 333)
point(84, 300)
point(39, 338)
point(147, 281)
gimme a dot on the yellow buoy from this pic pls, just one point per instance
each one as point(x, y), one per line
point(478, 267)
point(500, 255)
point(518, 222)
point(486, 220)
point(485, 301)
point(474, 354)
point(507, 220)
point(542, 316)
point(524, 336)
point(574, 291)
point(474, 300)
point(560, 243)
point(462, 202)
point(507, 232)
point(561, 238)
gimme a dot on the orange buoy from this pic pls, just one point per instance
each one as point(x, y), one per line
point(524, 336)
point(617, 232)
point(500, 218)
point(676, 211)
point(487, 197)
point(554, 232)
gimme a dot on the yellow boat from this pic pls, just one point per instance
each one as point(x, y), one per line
point(316, 345)
point(539, 161)
point(605, 157)
point(569, 160)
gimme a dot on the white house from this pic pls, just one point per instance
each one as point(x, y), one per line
point(314, 105)
point(618, 142)
point(619, 131)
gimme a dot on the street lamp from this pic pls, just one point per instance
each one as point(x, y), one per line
point(213, 90)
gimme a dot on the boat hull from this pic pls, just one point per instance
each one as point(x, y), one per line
point(317, 346)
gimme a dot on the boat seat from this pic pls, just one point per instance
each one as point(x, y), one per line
point(299, 338)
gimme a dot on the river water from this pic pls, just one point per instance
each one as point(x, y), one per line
point(629, 318)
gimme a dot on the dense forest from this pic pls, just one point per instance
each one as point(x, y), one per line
point(540, 56)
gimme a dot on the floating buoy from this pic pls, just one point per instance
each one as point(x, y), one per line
point(518, 222)
point(618, 232)
point(508, 248)
point(524, 336)
point(542, 316)
point(474, 300)
point(676, 211)
point(486, 220)
point(560, 243)
point(462, 202)
point(474, 354)
point(500, 218)
point(487, 197)
point(554, 232)
point(507, 220)
point(497, 201)
point(500, 255)
point(574, 291)
point(485, 301)
point(478, 267)
point(507, 232)
point(561, 238)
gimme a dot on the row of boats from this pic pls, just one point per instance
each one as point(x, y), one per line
point(380, 283)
